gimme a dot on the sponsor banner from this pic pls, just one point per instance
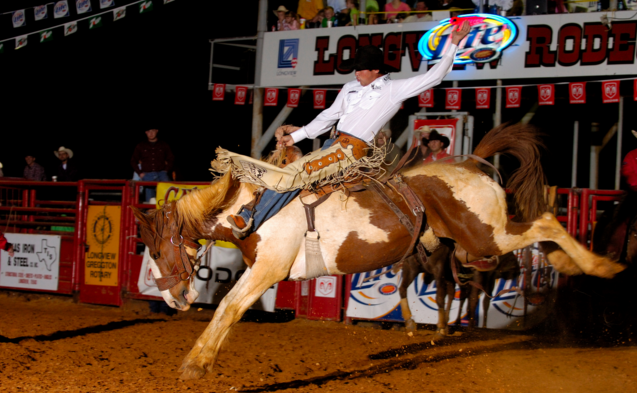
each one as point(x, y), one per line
point(548, 46)
point(319, 99)
point(426, 99)
point(61, 9)
point(21, 41)
point(513, 96)
point(378, 299)
point(219, 92)
point(19, 18)
point(610, 92)
point(577, 92)
point(168, 192)
point(35, 264)
point(46, 36)
point(483, 98)
point(271, 97)
point(101, 265)
point(294, 96)
point(546, 94)
point(40, 12)
point(94, 23)
point(220, 269)
point(145, 6)
point(445, 127)
point(453, 98)
point(326, 286)
point(106, 3)
point(70, 28)
point(240, 96)
point(83, 6)
point(119, 13)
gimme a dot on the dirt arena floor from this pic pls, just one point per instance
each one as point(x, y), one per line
point(50, 344)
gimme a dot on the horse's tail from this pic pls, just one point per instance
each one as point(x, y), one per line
point(523, 142)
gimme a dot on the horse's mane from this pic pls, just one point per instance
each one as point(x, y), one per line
point(200, 205)
point(523, 142)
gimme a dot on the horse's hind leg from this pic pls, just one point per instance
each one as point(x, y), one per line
point(411, 268)
point(252, 284)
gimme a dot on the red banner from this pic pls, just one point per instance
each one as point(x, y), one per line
point(577, 92)
point(454, 99)
point(240, 96)
point(219, 92)
point(635, 90)
point(483, 98)
point(271, 97)
point(319, 99)
point(546, 94)
point(426, 99)
point(294, 95)
point(513, 96)
point(610, 92)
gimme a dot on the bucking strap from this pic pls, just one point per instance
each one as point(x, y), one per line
point(309, 211)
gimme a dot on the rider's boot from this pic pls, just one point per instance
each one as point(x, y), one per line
point(240, 228)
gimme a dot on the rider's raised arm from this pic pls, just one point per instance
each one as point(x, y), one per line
point(403, 89)
point(324, 121)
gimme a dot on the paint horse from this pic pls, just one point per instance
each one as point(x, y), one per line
point(359, 235)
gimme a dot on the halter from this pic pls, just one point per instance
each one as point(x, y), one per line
point(181, 266)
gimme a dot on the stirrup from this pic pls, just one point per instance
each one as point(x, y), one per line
point(238, 232)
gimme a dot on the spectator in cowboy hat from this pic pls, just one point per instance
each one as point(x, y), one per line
point(66, 170)
point(437, 145)
point(33, 170)
point(280, 14)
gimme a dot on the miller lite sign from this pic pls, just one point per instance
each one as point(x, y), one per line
point(577, 92)
point(513, 96)
point(219, 92)
point(483, 98)
point(271, 97)
point(83, 6)
point(610, 92)
point(454, 98)
point(40, 12)
point(319, 99)
point(426, 99)
point(489, 36)
point(19, 18)
point(61, 9)
point(546, 94)
point(241, 92)
point(294, 95)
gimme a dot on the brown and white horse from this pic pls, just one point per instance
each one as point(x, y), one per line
point(360, 233)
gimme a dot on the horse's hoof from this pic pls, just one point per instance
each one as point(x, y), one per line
point(192, 372)
point(410, 326)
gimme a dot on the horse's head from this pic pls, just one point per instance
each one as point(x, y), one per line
point(173, 255)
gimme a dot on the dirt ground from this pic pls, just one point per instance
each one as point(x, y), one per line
point(50, 344)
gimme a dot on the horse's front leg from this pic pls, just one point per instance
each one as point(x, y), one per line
point(252, 284)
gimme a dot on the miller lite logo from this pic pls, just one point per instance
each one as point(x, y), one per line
point(18, 18)
point(577, 92)
point(218, 91)
point(319, 99)
point(326, 287)
point(611, 91)
point(293, 97)
point(39, 12)
point(513, 97)
point(83, 6)
point(61, 9)
point(106, 3)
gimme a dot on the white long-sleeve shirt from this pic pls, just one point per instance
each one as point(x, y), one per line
point(363, 110)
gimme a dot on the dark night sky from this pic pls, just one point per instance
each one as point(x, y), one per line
point(97, 91)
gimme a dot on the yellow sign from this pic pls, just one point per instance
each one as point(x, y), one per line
point(102, 239)
point(168, 192)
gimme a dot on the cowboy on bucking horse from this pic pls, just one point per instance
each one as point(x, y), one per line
point(363, 106)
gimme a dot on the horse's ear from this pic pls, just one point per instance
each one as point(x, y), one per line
point(143, 218)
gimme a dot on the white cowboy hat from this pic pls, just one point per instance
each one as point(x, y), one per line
point(281, 8)
point(63, 149)
point(1, 165)
point(633, 131)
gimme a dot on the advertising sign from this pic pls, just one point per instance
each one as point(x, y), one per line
point(293, 98)
point(271, 97)
point(168, 192)
point(426, 99)
point(35, 264)
point(219, 92)
point(577, 92)
point(241, 93)
point(483, 98)
point(546, 94)
point(102, 238)
point(610, 92)
point(453, 98)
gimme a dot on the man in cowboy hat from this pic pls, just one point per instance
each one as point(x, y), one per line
point(66, 171)
point(361, 109)
point(33, 171)
point(437, 144)
point(280, 14)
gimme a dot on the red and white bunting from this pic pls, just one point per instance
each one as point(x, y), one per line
point(219, 92)
point(319, 99)
point(483, 98)
point(241, 92)
point(454, 99)
point(513, 96)
point(271, 97)
point(635, 90)
point(577, 92)
point(610, 92)
point(546, 94)
point(426, 99)
point(294, 95)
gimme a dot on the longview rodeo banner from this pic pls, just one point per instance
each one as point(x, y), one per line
point(542, 46)
point(101, 265)
point(220, 268)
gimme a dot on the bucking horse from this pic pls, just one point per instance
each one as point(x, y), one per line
point(358, 233)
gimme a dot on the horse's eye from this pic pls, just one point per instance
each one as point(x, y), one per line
point(156, 255)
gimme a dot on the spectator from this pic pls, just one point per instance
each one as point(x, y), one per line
point(1, 173)
point(66, 171)
point(629, 168)
point(329, 17)
point(308, 9)
point(420, 16)
point(354, 13)
point(437, 145)
point(337, 5)
point(290, 21)
point(371, 6)
point(5, 245)
point(317, 21)
point(394, 8)
point(280, 14)
point(33, 170)
point(156, 160)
